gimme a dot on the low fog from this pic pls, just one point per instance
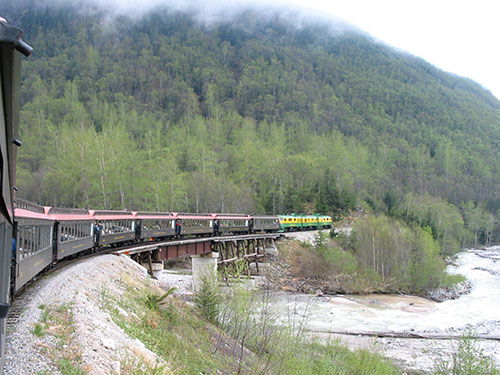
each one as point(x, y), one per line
point(207, 12)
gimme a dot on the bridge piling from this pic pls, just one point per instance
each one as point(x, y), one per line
point(204, 268)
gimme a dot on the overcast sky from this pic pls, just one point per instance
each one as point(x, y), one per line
point(458, 36)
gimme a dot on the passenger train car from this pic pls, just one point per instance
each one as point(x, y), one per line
point(73, 230)
point(151, 226)
point(11, 48)
point(34, 237)
point(113, 227)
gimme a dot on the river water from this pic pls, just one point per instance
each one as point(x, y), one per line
point(328, 316)
point(479, 310)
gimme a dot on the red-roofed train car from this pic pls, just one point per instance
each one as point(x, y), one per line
point(113, 227)
point(154, 225)
point(74, 230)
point(197, 224)
point(231, 223)
point(34, 242)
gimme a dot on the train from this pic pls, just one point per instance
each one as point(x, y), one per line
point(12, 48)
point(45, 235)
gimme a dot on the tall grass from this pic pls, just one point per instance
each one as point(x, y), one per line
point(284, 347)
point(468, 359)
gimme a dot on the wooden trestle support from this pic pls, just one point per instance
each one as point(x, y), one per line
point(247, 250)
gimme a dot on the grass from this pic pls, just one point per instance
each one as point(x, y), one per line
point(39, 330)
point(468, 359)
point(180, 337)
point(336, 359)
point(244, 340)
point(57, 321)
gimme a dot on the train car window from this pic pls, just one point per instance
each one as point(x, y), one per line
point(233, 223)
point(30, 241)
point(196, 223)
point(117, 226)
point(21, 243)
point(157, 224)
point(37, 239)
point(20, 247)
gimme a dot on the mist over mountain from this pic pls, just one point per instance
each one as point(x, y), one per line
point(251, 110)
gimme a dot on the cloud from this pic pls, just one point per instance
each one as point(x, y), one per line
point(208, 12)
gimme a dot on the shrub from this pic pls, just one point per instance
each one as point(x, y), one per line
point(208, 298)
point(406, 258)
point(467, 360)
point(153, 300)
point(38, 330)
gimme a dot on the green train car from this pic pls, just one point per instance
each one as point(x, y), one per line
point(293, 222)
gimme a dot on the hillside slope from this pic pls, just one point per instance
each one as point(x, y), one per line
point(252, 114)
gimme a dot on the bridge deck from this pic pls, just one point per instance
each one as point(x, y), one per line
point(185, 242)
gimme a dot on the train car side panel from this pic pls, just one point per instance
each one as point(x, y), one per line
point(266, 223)
point(34, 246)
point(115, 227)
point(153, 225)
point(10, 82)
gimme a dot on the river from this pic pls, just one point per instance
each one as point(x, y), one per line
point(478, 311)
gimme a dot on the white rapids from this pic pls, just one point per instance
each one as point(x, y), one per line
point(479, 310)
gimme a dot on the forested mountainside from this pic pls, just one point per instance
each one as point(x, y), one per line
point(253, 114)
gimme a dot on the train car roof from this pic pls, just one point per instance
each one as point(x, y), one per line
point(29, 210)
point(111, 215)
point(194, 216)
point(264, 216)
point(68, 214)
point(231, 216)
point(154, 215)
point(28, 214)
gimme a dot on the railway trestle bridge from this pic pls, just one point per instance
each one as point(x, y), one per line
point(206, 252)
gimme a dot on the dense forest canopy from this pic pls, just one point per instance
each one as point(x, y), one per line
point(253, 114)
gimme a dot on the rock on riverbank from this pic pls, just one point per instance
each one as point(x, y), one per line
point(451, 292)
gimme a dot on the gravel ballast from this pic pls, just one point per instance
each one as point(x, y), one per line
point(102, 345)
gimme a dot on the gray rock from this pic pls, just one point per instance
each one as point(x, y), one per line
point(449, 293)
point(108, 343)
